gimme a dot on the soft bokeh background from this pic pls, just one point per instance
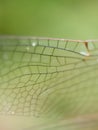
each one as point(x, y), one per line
point(73, 19)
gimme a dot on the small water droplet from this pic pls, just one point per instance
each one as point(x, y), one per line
point(84, 53)
point(34, 44)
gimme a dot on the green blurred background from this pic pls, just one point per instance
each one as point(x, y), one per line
point(75, 19)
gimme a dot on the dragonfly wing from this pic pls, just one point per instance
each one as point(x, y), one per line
point(48, 77)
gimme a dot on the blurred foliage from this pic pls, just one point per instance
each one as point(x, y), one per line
point(50, 18)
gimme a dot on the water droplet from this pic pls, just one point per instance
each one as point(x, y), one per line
point(84, 53)
point(34, 44)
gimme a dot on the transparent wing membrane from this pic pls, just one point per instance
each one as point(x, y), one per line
point(46, 77)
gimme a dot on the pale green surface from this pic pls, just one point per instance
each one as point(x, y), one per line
point(46, 81)
point(74, 19)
